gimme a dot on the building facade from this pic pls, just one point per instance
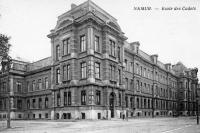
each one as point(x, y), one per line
point(94, 73)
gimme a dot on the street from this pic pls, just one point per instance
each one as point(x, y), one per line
point(137, 125)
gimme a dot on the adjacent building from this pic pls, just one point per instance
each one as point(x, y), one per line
point(94, 73)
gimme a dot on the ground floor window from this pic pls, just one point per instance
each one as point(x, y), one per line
point(40, 116)
point(99, 115)
point(83, 115)
point(46, 115)
point(33, 116)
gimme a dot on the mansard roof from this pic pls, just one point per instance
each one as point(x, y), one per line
point(177, 69)
point(77, 13)
point(19, 65)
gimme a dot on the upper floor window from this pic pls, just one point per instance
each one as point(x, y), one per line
point(98, 97)
point(112, 72)
point(46, 102)
point(83, 43)
point(137, 68)
point(57, 52)
point(96, 44)
point(33, 85)
point(46, 82)
point(67, 98)
point(83, 70)
point(126, 64)
point(40, 103)
point(97, 70)
point(119, 76)
point(112, 48)
point(28, 86)
point(19, 87)
point(39, 84)
point(138, 84)
point(19, 104)
point(118, 53)
point(57, 75)
point(58, 99)
point(126, 83)
point(120, 99)
point(83, 97)
point(66, 71)
point(66, 46)
point(33, 103)
point(28, 104)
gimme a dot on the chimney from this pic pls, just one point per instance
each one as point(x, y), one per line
point(73, 5)
point(154, 58)
point(135, 46)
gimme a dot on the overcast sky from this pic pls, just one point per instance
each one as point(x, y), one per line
point(173, 35)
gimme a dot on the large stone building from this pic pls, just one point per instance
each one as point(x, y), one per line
point(94, 73)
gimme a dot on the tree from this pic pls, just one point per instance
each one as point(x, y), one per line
point(4, 45)
point(5, 60)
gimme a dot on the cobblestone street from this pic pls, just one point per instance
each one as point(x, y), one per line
point(142, 125)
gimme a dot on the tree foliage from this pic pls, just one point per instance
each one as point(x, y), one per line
point(4, 45)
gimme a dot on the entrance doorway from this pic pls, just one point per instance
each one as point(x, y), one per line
point(112, 104)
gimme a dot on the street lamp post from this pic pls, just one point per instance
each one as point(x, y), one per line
point(6, 65)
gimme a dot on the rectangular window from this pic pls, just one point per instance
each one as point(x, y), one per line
point(112, 48)
point(19, 104)
point(65, 98)
point(96, 44)
point(46, 83)
point(126, 64)
point(57, 52)
point(57, 75)
point(120, 99)
point(39, 84)
point(33, 103)
point(138, 84)
point(69, 98)
point(98, 97)
point(137, 68)
point(112, 72)
point(40, 103)
point(83, 97)
point(28, 86)
point(119, 76)
point(97, 70)
point(46, 102)
point(83, 70)
point(33, 85)
point(119, 53)
point(58, 100)
point(66, 72)
point(19, 87)
point(126, 80)
point(83, 43)
point(66, 46)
